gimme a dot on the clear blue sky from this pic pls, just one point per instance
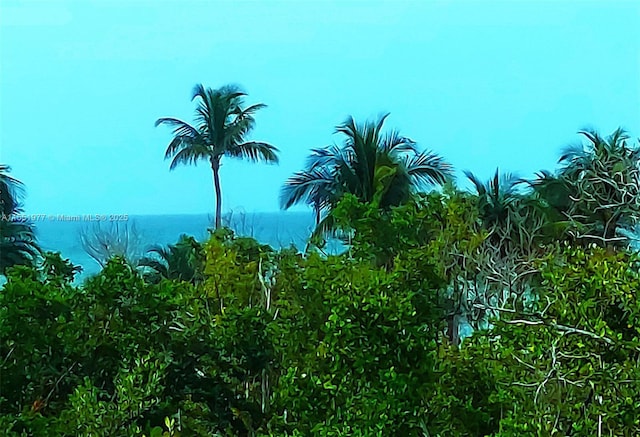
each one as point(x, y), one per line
point(485, 84)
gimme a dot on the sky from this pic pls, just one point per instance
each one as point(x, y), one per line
point(485, 84)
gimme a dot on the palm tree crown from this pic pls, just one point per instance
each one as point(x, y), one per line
point(183, 261)
point(597, 189)
point(221, 125)
point(17, 237)
point(497, 197)
point(384, 169)
point(11, 190)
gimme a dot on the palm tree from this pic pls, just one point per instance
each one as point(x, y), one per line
point(383, 169)
point(183, 261)
point(11, 190)
point(17, 237)
point(516, 220)
point(221, 125)
point(497, 197)
point(595, 195)
point(604, 177)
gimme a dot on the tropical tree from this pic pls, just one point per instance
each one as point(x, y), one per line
point(522, 219)
point(11, 190)
point(516, 227)
point(596, 192)
point(17, 237)
point(497, 198)
point(221, 124)
point(183, 261)
point(374, 167)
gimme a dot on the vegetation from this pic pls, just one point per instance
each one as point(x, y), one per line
point(17, 237)
point(103, 241)
point(182, 261)
point(222, 123)
point(385, 169)
point(508, 310)
point(596, 190)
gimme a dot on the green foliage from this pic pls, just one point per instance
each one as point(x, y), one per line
point(118, 356)
point(183, 261)
point(442, 231)
point(18, 245)
point(569, 367)
point(229, 337)
point(357, 347)
point(57, 269)
point(596, 191)
point(384, 170)
point(33, 315)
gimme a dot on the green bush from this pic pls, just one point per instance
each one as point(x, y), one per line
point(569, 367)
point(280, 343)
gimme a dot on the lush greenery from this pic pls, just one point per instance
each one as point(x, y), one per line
point(386, 169)
point(270, 343)
point(508, 310)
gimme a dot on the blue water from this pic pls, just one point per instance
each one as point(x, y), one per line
point(278, 229)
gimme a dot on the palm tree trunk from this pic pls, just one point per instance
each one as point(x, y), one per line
point(452, 330)
point(316, 207)
point(215, 167)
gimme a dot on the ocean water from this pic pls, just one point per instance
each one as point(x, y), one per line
point(278, 229)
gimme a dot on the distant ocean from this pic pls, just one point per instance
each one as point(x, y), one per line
point(277, 229)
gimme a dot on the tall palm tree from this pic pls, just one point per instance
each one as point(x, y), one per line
point(221, 125)
point(17, 237)
point(384, 169)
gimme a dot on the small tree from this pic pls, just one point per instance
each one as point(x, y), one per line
point(102, 242)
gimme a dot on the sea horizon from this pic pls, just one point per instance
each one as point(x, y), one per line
point(278, 229)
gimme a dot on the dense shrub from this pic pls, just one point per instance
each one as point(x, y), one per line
point(280, 343)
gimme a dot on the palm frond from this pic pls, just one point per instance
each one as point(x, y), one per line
point(180, 128)
point(312, 186)
point(11, 192)
point(507, 184)
point(394, 143)
point(478, 184)
point(187, 140)
point(255, 151)
point(326, 227)
point(592, 135)
point(18, 245)
point(428, 168)
point(189, 155)
point(250, 110)
point(618, 137)
point(571, 153)
point(327, 156)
